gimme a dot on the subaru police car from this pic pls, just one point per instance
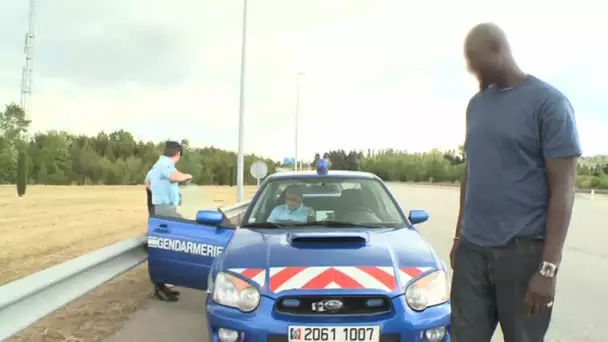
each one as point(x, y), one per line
point(354, 270)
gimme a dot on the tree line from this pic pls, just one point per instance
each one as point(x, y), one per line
point(442, 166)
point(117, 158)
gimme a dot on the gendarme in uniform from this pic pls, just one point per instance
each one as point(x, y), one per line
point(165, 192)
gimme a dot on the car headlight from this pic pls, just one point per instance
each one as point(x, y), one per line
point(432, 289)
point(235, 292)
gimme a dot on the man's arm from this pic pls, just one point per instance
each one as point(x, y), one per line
point(147, 180)
point(174, 175)
point(149, 195)
point(463, 191)
point(464, 178)
point(177, 176)
point(561, 149)
point(149, 202)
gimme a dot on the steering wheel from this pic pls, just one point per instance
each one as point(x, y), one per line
point(368, 210)
point(361, 214)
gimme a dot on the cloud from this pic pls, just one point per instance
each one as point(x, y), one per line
point(378, 73)
point(121, 54)
point(592, 134)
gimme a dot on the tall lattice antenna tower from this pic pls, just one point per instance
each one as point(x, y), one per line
point(26, 77)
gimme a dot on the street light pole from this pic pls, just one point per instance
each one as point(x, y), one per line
point(297, 120)
point(240, 159)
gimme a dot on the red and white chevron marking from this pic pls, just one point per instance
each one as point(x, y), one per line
point(339, 277)
point(406, 274)
point(258, 275)
point(331, 277)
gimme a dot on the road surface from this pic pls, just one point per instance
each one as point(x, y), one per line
point(579, 313)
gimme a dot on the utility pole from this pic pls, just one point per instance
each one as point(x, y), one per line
point(297, 128)
point(240, 159)
point(26, 76)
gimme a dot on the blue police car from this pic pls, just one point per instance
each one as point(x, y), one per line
point(353, 270)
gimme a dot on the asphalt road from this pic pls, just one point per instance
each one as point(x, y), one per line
point(579, 312)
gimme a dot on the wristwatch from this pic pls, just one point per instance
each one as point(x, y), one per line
point(548, 269)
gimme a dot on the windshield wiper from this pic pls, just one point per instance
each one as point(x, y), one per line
point(262, 225)
point(339, 224)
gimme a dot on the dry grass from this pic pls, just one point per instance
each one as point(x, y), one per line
point(52, 224)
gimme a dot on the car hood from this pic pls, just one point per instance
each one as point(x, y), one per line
point(315, 260)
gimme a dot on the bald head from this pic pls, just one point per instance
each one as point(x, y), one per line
point(488, 34)
point(487, 52)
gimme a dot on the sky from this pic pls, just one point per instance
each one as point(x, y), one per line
point(375, 74)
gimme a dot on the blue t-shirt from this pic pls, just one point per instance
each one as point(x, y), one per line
point(164, 191)
point(283, 213)
point(510, 134)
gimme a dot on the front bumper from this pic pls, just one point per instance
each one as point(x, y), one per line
point(266, 325)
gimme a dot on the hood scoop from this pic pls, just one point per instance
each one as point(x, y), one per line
point(328, 239)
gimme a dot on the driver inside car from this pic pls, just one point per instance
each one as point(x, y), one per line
point(293, 209)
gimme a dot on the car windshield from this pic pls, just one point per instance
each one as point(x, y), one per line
point(324, 201)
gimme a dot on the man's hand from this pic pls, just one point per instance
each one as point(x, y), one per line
point(539, 297)
point(187, 176)
point(453, 251)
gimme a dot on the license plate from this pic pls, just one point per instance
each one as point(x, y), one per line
point(334, 333)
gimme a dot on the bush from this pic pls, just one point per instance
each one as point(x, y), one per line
point(21, 173)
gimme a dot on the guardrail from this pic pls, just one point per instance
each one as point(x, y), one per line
point(29, 299)
point(235, 212)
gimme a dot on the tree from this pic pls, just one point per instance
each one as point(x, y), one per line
point(13, 124)
point(13, 131)
point(21, 173)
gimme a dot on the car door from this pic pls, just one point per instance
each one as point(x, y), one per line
point(180, 252)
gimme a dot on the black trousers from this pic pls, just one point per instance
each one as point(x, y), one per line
point(150, 213)
point(488, 287)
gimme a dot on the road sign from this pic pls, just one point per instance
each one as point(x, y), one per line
point(258, 170)
point(289, 160)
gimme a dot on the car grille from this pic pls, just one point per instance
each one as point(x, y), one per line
point(351, 305)
point(284, 338)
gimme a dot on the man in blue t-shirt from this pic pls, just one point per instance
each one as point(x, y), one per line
point(163, 181)
point(516, 198)
point(293, 209)
point(163, 197)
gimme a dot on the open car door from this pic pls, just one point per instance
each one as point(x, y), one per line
point(180, 251)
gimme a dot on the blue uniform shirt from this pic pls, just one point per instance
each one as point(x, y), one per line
point(283, 213)
point(510, 134)
point(164, 191)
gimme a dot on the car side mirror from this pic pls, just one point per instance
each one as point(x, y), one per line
point(418, 216)
point(209, 217)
